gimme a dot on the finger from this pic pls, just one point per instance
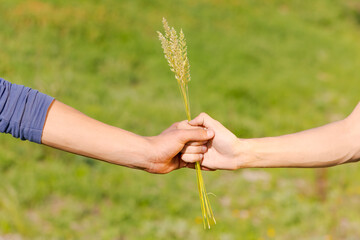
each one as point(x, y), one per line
point(199, 120)
point(180, 125)
point(194, 149)
point(184, 125)
point(192, 158)
point(196, 143)
point(195, 135)
point(172, 127)
point(203, 120)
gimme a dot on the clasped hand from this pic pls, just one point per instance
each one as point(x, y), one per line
point(203, 139)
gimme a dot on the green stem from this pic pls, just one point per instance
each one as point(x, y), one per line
point(207, 213)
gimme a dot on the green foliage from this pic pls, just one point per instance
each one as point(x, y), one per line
point(260, 67)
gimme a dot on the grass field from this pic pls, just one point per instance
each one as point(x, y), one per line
point(262, 68)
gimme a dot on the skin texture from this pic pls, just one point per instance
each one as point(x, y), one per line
point(72, 131)
point(329, 145)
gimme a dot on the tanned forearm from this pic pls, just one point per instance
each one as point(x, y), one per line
point(70, 130)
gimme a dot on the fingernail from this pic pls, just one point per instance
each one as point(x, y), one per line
point(210, 133)
point(204, 148)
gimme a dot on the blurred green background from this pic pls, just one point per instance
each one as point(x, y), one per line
point(262, 68)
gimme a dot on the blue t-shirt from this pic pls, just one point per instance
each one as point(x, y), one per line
point(23, 111)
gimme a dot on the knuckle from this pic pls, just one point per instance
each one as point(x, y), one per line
point(182, 124)
point(188, 158)
point(198, 149)
point(203, 114)
point(175, 125)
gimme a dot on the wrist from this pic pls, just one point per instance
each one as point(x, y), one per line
point(143, 153)
point(352, 132)
point(149, 156)
point(244, 153)
point(130, 152)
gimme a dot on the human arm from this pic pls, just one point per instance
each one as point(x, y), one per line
point(329, 145)
point(28, 114)
point(70, 130)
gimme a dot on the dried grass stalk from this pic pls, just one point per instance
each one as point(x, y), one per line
point(175, 51)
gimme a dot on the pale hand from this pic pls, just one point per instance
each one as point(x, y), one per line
point(222, 150)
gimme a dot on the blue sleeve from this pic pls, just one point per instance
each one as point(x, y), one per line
point(22, 111)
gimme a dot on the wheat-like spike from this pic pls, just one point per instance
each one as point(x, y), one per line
point(166, 27)
point(185, 60)
point(175, 51)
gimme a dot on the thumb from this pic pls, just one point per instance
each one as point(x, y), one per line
point(195, 135)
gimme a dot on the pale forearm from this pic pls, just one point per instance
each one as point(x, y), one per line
point(325, 146)
point(70, 130)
